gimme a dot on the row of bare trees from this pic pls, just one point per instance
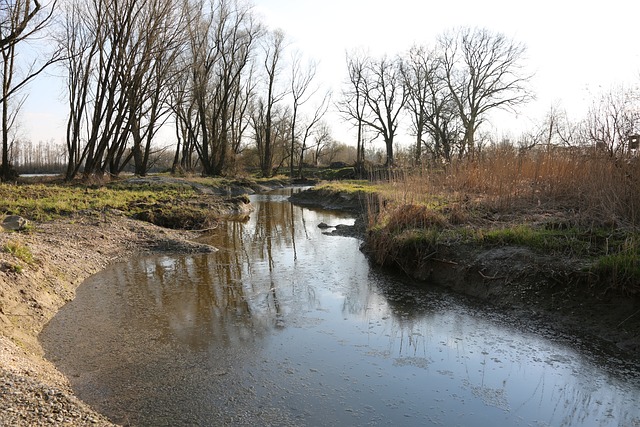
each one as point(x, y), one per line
point(232, 91)
point(446, 91)
point(206, 68)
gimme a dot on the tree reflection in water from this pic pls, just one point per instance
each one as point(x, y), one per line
point(288, 326)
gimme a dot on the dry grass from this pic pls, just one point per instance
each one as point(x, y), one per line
point(594, 189)
point(568, 200)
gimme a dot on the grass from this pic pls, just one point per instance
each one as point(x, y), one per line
point(21, 252)
point(555, 202)
point(621, 269)
point(45, 202)
point(170, 204)
point(542, 240)
point(41, 202)
point(351, 187)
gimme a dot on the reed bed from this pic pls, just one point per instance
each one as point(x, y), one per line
point(575, 202)
point(594, 189)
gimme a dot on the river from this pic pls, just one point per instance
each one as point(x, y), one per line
point(287, 325)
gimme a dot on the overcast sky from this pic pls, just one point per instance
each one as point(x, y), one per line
point(575, 48)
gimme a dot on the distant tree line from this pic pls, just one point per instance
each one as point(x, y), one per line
point(447, 91)
point(237, 97)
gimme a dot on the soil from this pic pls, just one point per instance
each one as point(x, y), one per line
point(65, 252)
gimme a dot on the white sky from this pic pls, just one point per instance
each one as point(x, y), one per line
point(575, 48)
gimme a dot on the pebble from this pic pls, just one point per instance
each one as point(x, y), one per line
point(27, 402)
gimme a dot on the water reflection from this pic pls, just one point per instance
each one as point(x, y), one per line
point(287, 326)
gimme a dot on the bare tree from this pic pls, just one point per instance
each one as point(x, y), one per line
point(352, 105)
point(120, 62)
point(416, 72)
point(222, 38)
point(483, 71)
point(273, 47)
point(153, 47)
point(301, 93)
point(93, 39)
point(322, 138)
point(20, 21)
point(312, 121)
point(433, 114)
point(612, 119)
point(385, 98)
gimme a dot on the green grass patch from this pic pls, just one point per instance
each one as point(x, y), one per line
point(19, 251)
point(350, 186)
point(429, 237)
point(45, 202)
point(543, 240)
point(622, 269)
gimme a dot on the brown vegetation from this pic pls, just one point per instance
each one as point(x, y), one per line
point(577, 204)
point(551, 230)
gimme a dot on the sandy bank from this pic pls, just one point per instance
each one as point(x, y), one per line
point(65, 252)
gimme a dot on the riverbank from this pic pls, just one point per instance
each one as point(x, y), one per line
point(65, 252)
point(543, 288)
point(41, 267)
point(42, 264)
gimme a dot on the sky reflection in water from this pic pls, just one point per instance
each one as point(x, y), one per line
point(288, 326)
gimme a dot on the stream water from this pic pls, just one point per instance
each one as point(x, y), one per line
point(286, 325)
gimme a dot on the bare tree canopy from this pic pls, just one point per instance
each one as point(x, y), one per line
point(374, 97)
point(434, 120)
point(352, 104)
point(447, 91)
point(483, 71)
point(17, 19)
point(20, 20)
point(265, 109)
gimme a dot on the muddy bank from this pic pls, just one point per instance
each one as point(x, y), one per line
point(543, 290)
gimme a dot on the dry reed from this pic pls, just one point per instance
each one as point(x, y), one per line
point(595, 196)
point(593, 188)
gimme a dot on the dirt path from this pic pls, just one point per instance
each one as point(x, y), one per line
point(65, 252)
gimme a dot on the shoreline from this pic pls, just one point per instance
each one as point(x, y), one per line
point(66, 251)
point(539, 288)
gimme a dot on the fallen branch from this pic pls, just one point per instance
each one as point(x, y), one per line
point(620, 324)
point(494, 277)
